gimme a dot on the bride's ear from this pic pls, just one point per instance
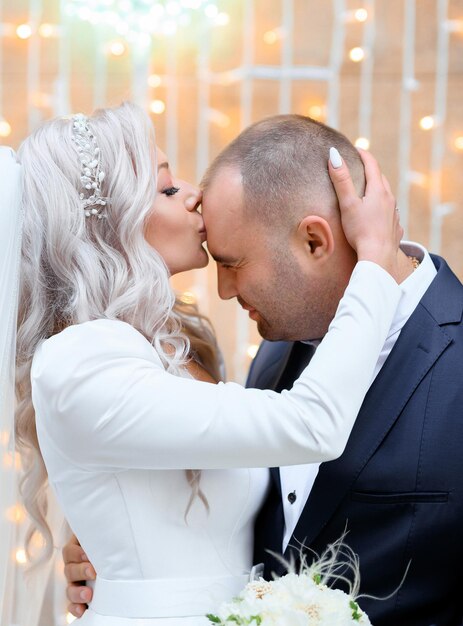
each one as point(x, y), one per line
point(315, 237)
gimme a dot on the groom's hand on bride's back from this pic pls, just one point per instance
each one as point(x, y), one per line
point(78, 570)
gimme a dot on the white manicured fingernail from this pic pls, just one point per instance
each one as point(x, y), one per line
point(335, 158)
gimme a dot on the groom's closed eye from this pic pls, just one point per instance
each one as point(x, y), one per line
point(225, 262)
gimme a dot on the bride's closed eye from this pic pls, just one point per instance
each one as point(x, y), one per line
point(170, 191)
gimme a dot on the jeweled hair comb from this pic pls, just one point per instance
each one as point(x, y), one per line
point(91, 175)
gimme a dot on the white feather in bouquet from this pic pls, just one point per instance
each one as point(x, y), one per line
point(305, 598)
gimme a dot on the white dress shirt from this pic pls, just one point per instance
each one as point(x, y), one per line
point(297, 480)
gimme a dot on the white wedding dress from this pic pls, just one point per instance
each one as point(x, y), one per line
point(117, 432)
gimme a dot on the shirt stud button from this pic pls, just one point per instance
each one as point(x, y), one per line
point(292, 497)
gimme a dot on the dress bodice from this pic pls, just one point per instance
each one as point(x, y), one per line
point(133, 524)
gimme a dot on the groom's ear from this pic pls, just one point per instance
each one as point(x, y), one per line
point(315, 237)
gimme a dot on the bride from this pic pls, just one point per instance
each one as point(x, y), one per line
point(116, 407)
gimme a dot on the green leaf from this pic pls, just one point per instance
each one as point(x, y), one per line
point(356, 615)
point(213, 618)
point(317, 578)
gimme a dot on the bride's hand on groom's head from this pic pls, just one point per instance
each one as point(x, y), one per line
point(371, 224)
point(78, 570)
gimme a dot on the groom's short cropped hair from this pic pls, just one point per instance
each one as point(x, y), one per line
point(283, 161)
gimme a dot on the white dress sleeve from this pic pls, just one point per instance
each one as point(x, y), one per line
point(101, 393)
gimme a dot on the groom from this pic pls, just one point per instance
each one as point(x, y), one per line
point(274, 229)
point(398, 488)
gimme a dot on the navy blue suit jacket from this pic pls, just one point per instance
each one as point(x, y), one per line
point(398, 487)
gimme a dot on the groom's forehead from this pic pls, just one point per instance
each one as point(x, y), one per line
point(223, 198)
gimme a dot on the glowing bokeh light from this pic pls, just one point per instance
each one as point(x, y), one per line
point(357, 54)
point(24, 31)
point(21, 556)
point(5, 128)
point(362, 142)
point(417, 178)
point(270, 37)
point(211, 10)
point(41, 100)
point(154, 81)
point(157, 107)
point(220, 119)
point(317, 111)
point(361, 15)
point(222, 19)
point(458, 143)
point(16, 514)
point(48, 30)
point(116, 48)
point(139, 20)
point(427, 122)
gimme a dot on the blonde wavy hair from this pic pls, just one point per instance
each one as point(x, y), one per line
point(75, 269)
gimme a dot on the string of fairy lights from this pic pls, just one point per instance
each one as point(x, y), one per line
point(127, 28)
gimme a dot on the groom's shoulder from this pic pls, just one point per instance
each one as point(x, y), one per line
point(444, 298)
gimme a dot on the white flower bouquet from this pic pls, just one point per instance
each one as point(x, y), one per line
point(301, 599)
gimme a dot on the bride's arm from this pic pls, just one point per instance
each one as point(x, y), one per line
point(105, 400)
point(108, 403)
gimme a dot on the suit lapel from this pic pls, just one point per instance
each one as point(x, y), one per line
point(276, 374)
point(420, 344)
point(270, 379)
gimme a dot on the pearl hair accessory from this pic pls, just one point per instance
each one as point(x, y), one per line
point(91, 174)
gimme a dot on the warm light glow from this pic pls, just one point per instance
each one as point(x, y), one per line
point(37, 541)
point(116, 48)
point(69, 618)
point(8, 460)
point(16, 514)
point(317, 111)
point(222, 19)
point(362, 142)
point(357, 54)
point(47, 30)
point(459, 143)
point(41, 100)
point(454, 26)
point(219, 118)
point(20, 556)
point(427, 122)
point(361, 15)
point(154, 81)
point(271, 37)
point(417, 178)
point(173, 8)
point(157, 107)
point(252, 350)
point(4, 435)
point(139, 20)
point(170, 27)
point(211, 10)
point(24, 31)
point(188, 297)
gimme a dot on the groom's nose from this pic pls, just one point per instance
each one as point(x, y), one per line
point(226, 283)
